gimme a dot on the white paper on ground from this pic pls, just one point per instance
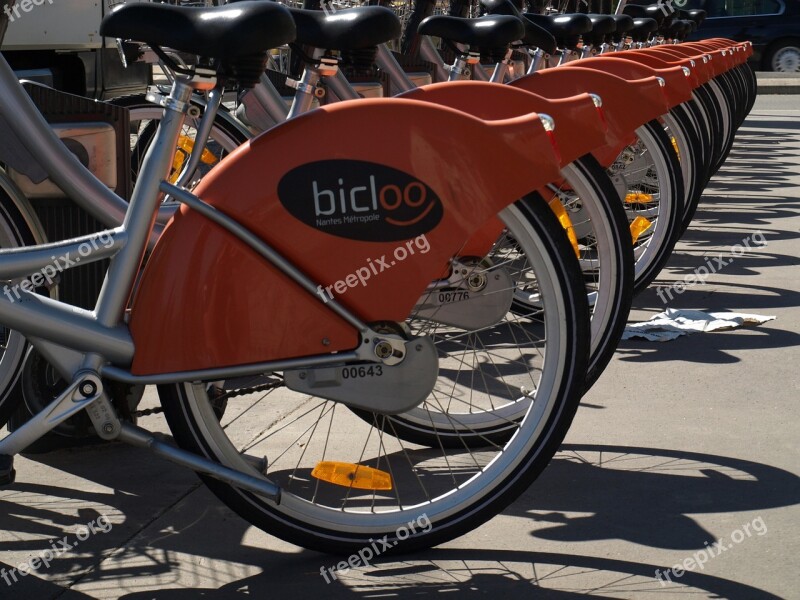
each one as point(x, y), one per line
point(673, 323)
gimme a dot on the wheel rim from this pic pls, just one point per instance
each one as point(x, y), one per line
point(142, 127)
point(12, 343)
point(787, 60)
point(646, 174)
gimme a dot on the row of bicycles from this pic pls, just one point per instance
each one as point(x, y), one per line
point(361, 311)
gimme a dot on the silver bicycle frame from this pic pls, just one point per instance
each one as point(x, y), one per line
point(82, 344)
point(62, 165)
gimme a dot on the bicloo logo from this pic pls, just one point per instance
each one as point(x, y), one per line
point(360, 200)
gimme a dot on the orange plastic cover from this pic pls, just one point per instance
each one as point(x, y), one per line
point(700, 72)
point(579, 126)
point(370, 198)
point(627, 105)
point(629, 65)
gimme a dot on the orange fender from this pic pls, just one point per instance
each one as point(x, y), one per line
point(742, 50)
point(629, 65)
point(626, 104)
point(720, 58)
point(708, 67)
point(700, 73)
point(337, 192)
point(580, 127)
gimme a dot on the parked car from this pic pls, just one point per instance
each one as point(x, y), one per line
point(772, 25)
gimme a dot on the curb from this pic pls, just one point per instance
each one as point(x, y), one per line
point(778, 83)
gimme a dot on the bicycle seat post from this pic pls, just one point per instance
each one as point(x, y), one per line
point(323, 63)
point(539, 57)
point(146, 194)
point(502, 67)
point(465, 60)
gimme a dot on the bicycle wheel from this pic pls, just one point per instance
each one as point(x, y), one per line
point(468, 423)
point(283, 436)
point(599, 229)
point(647, 175)
point(688, 146)
point(144, 118)
point(15, 231)
point(606, 254)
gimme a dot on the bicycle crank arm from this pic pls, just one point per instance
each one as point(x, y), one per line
point(79, 395)
point(137, 436)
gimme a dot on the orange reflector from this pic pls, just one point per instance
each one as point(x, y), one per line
point(675, 146)
point(350, 475)
point(185, 145)
point(638, 198)
point(638, 226)
point(566, 223)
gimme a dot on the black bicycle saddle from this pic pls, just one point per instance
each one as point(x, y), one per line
point(223, 32)
point(346, 29)
point(534, 35)
point(642, 28)
point(492, 31)
point(654, 11)
point(624, 25)
point(603, 26)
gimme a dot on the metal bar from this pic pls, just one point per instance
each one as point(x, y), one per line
point(120, 374)
point(499, 73)
point(114, 294)
point(68, 403)
point(201, 136)
point(429, 52)
point(536, 63)
point(264, 250)
point(304, 96)
point(270, 99)
point(67, 325)
point(341, 87)
point(136, 436)
point(389, 65)
point(21, 262)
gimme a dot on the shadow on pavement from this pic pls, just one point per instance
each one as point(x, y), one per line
point(660, 487)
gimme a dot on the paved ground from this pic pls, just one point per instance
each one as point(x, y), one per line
point(678, 445)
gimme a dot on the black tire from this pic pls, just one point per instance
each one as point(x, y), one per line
point(691, 154)
point(656, 169)
point(15, 231)
point(190, 414)
point(613, 242)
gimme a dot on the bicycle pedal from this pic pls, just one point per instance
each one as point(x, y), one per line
point(7, 472)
